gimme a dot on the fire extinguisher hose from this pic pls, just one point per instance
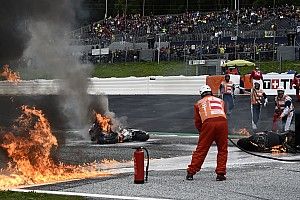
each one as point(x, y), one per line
point(147, 166)
point(262, 156)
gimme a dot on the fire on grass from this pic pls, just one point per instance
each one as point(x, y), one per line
point(29, 147)
point(9, 75)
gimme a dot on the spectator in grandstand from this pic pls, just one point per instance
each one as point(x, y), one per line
point(227, 92)
point(222, 50)
point(210, 27)
point(258, 98)
point(296, 85)
point(284, 110)
point(256, 76)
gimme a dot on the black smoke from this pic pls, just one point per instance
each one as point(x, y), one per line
point(16, 17)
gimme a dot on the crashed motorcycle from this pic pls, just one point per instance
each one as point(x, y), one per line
point(269, 141)
point(122, 135)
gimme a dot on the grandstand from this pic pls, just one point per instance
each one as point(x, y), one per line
point(248, 34)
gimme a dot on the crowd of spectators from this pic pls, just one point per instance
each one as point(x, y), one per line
point(215, 25)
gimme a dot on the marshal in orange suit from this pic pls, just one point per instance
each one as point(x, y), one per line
point(211, 122)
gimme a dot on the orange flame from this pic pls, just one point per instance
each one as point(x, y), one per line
point(278, 149)
point(10, 75)
point(104, 122)
point(30, 153)
point(242, 131)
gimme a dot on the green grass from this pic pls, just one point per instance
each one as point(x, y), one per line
point(141, 69)
point(9, 195)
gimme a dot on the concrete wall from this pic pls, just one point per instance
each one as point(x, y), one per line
point(182, 85)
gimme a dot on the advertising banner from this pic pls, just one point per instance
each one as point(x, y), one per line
point(96, 52)
point(272, 81)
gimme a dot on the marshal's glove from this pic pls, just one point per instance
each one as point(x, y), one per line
point(266, 102)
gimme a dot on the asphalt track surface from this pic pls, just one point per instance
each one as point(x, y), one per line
point(155, 113)
point(169, 119)
point(248, 177)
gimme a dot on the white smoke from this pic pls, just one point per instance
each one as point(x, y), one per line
point(41, 29)
point(50, 51)
point(117, 122)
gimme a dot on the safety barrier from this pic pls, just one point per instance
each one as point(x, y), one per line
point(179, 85)
point(32, 87)
point(152, 85)
point(270, 83)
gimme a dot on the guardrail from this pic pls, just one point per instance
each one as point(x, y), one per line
point(181, 85)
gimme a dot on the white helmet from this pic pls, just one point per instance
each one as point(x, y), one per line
point(280, 90)
point(204, 88)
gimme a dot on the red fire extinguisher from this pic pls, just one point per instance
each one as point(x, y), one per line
point(139, 165)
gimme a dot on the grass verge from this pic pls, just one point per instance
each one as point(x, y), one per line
point(9, 195)
point(143, 69)
point(140, 69)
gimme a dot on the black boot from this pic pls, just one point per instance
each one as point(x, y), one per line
point(189, 177)
point(221, 177)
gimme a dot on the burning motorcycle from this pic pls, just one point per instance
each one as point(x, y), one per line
point(269, 141)
point(100, 136)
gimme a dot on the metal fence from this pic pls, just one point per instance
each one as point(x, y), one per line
point(135, 56)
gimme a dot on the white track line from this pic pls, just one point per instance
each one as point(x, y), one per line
point(85, 194)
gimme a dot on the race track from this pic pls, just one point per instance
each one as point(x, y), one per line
point(161, 113)
point(173, 138)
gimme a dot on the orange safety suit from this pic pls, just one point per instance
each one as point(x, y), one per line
point(227, 90)
point(284, 110)
point(226, 87)
point(232, 71)
point(211, 122)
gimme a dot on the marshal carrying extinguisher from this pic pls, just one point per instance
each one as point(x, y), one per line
point(139, 165)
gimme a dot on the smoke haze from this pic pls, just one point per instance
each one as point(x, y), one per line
point(17, 16)
point(37, 30)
